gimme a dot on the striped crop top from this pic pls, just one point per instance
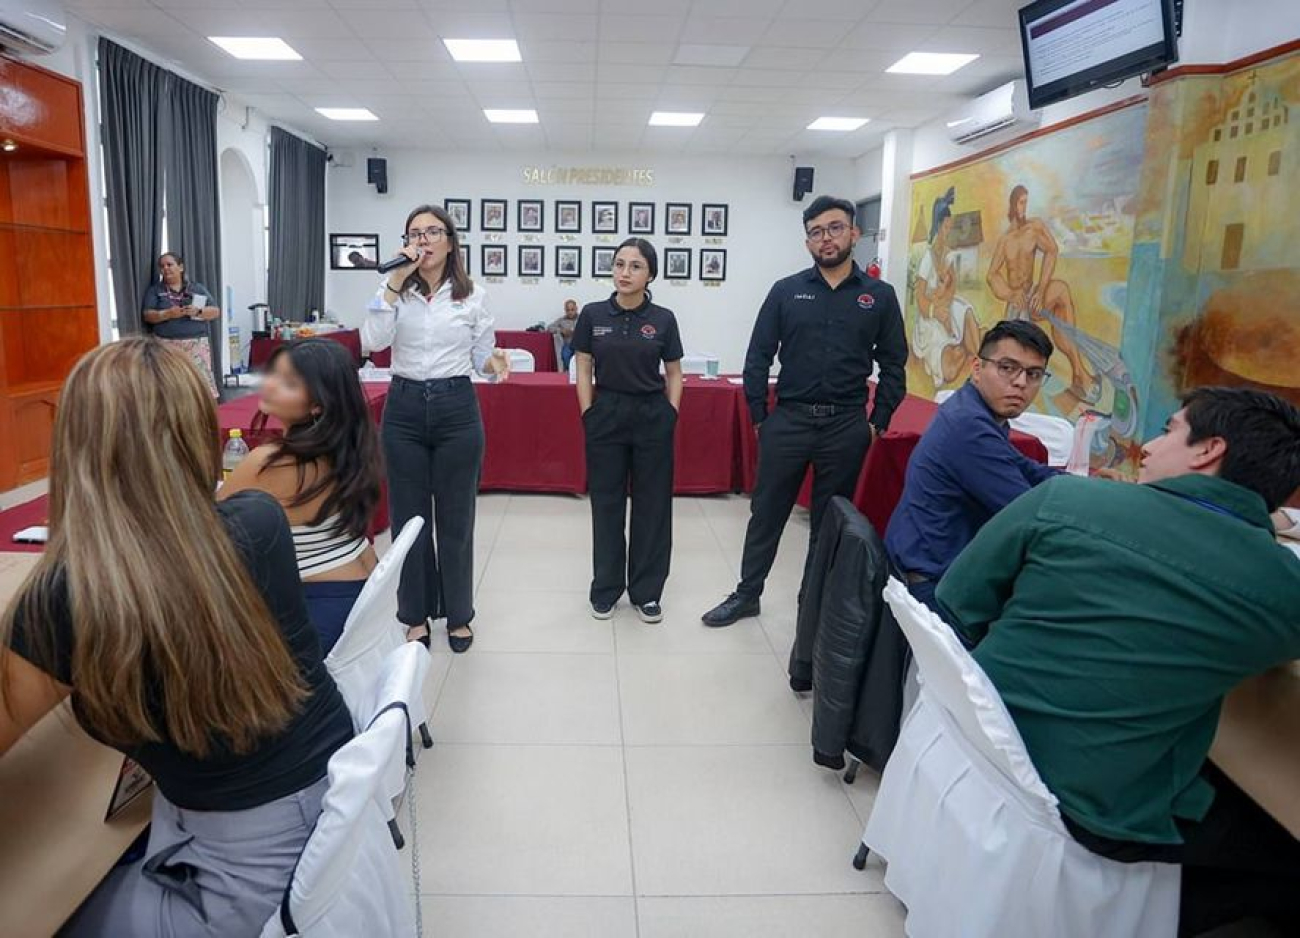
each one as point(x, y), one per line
point(324, 547)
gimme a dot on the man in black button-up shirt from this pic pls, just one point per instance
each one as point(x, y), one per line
point(829, 324)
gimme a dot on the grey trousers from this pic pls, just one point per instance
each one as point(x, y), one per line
point(205, 874)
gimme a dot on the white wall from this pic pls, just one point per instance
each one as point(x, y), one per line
point(765, 240)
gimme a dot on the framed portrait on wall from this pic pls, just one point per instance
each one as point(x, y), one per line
point(568, 217)
point(677, 263)
point(492, 214)
point(354, 251)
point(715, 220)
point(641, 218)
point(493, 261)
point(568, 261)
point(677, 218)
point(530, 215)
point(458, 209)
point(464, 257)
point(604, 217)
point(713, 264)
point(532, 260)
point(602, 261)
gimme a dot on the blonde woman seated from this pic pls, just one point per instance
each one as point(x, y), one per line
point(178, 628)
point(324, 471)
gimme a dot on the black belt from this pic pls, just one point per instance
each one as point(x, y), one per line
point(822, 410)
point(433, 384)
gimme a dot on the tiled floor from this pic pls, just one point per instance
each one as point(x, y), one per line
point(616, 779)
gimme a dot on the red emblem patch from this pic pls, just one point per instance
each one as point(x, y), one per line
point(866, 301)
point(649, 331)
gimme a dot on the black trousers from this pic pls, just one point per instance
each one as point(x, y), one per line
point(1238, 862)
point(630, 446)
point(433, 447)
point(791, 439)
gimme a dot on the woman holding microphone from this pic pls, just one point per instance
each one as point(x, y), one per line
point(629, 415)
point(436, 321)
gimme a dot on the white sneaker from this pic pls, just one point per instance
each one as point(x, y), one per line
point(599, 611)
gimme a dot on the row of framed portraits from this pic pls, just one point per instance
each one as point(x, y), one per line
point(677, 263)
point(602, 217)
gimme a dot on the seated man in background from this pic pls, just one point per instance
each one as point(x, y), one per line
point(1113, 618)
point(563, 327)
point(965, 470)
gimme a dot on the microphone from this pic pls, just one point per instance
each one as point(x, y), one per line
point(401, 260)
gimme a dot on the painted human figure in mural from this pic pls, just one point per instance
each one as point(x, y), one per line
point(947, 334)
point(1011, 279)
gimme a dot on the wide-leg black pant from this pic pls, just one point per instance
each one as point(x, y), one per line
point(630, 447)
point(792, 438)
point(433, 447)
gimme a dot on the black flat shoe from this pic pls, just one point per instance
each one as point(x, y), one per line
point(422, 639)
point(460, 643)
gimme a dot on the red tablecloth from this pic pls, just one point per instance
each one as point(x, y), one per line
point(26, 515)
point(535, 441)
point(239, 414)
point(541, 344)
point(259, 350)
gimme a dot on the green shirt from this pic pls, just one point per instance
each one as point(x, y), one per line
point(1113, 618)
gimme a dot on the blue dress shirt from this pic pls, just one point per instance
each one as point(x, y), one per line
point(963, 472)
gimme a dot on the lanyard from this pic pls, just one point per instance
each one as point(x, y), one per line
point(1212, 506)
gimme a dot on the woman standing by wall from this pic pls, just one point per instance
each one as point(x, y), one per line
point(436, 321)
point(173, 315)
point(629, 415)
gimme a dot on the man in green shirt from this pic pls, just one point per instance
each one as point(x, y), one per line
point(1113, 619)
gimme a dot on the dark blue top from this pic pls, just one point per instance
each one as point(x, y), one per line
point(963, 472)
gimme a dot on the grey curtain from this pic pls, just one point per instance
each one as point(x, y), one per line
point(296, 275)
point(133, 94)
point(193, 206)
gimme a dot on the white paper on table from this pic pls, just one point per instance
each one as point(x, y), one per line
point(740, 381)
point(37, 534)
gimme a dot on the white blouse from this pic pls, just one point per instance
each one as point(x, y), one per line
point(431, 338)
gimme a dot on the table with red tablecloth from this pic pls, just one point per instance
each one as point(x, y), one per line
point(239, 414)
point(261, 349)
point(880, 483)
point(541, 344)
point(35, 513)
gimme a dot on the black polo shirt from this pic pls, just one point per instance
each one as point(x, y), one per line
point(828, 341)
point(628, 345)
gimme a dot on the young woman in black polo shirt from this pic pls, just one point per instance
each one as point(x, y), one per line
point(629, 414)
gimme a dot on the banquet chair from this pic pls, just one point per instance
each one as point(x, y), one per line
point(371, 632)
point(973, 840)
point(521, 360)
point(400, 684)
point(349, 880)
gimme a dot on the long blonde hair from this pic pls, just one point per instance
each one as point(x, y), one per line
point(172, 640)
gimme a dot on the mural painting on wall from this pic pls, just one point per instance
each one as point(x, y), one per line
point(1218, 234)
point(1042, 232)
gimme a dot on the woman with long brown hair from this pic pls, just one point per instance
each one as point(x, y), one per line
point(178, 628)
point(436, 321)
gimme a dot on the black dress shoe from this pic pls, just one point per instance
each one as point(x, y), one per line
point(731, 609)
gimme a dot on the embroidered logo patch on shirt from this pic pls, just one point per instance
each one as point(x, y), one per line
point(648, 331)
point(866, 300)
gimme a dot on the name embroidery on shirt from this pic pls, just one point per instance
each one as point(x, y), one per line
point(805, 296)
point(601, 330)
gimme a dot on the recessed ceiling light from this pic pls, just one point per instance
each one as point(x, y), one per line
point(710, 56)
point(483, 50)
point(838, 123)
point(675, 119)
point(264, 48)
point(511, 117)
point(347, 113)
point(931, 63)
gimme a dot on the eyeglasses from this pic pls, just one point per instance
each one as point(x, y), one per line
point(1011, 370)
point(834, 229)
point(432, 234)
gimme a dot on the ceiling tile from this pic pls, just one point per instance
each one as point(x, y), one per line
point(555, 26)
point(991, 13)
point(564, 90)
point(650, 75)
point(973, 39)
point(353, 70)
point(784, 57)
point(888, 37)
point(928, 12)
point(805, 33)
point(470, 23)
point(735, 31)
point(698, 75)
point(766, 78)
point(287, 24)
point(641, 28)
point(829, 9)
point(561, 71)
point(389, 24)
point(552, 51)
point(637, 53)
point(410, 50)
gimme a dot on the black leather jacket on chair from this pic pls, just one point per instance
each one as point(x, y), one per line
point(848, 649)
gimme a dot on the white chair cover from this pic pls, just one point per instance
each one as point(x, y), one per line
point(401, 682)
point(371, 632)
point(521, 360)
point(349, 880)
point(973, 839)
point(1056, 433)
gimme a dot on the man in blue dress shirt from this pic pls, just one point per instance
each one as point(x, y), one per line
point(965, 469)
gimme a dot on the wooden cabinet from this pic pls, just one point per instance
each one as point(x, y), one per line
point(47, 278)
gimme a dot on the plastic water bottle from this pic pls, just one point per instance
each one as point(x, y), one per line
point(236, 450)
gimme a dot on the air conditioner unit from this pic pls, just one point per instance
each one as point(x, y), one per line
point(32, 26)
point(1003, 111)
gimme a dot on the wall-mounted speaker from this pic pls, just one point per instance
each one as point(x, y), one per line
point(803, 181)
point(377, 173)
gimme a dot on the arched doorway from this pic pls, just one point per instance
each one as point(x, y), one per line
point(241, 250)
